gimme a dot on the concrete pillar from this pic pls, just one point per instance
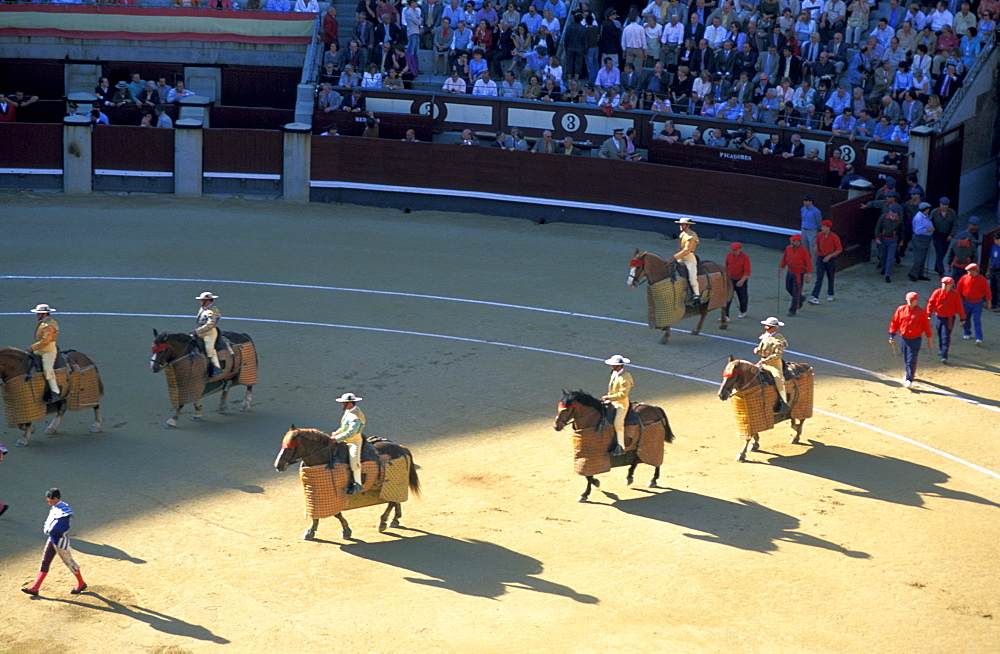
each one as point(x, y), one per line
point(187, 157)
point(196, 107)
point(297, 161)
point(206, 81)
point(84, 102)
point(920, 152)
point(81, 78)
point(305, 95)
point(78, 166)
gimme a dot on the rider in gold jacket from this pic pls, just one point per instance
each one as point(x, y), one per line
point(207, 330)
point(46, 333)
point(619, 387)
point(771, 348)
point(352, 424)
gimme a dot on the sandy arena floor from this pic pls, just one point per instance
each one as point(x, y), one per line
point(857, 540)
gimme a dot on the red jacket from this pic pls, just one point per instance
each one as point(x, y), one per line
point(974, 289)
point(797, 259)
point(910, 322)
point(945, 304)
point(737, 266)
point(7, 116)
point(827, 244)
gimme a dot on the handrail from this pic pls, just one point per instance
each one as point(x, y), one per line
point(952, 106)
point(309, 66)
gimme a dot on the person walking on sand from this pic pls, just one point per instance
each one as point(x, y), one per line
point(910, 321)
point(975, 292)
point(56, 528)
point(946, 303)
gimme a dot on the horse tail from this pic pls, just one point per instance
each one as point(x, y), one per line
point(414, 479)
point(668, 433)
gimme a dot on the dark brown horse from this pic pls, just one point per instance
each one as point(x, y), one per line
point(183, 356)
point(593, 437)
point(21, 397)
point(648, 266)
point(313, 448)
point(755, 390)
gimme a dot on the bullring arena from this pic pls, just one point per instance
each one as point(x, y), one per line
point(877, 534)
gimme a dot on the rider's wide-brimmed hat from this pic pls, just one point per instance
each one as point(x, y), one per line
point(43, 308)
point(348, 397)
point(617, 360)
point(207, 296)
point(686, 221)
point(772, 322)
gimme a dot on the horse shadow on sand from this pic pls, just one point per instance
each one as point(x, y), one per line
point(744, 524)
point(159, 621)
point(469, 567)
point(873, 476)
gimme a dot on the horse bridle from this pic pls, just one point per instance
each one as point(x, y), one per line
point(293, 445)
point(632, 266)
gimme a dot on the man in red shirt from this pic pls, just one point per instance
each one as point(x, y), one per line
point(738, 269)
point(975, 291)
point(910, 322)
point(946, 303)
point(799, 263)
point(828, 248)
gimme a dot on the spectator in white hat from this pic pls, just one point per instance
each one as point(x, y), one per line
point(352, 424)
point(619, 388)
point(46, 332)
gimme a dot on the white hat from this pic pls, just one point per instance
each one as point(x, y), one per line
point(43, 308)
point(617, 360)
point(348, 397)
point(686, 221)
point(207, 296)
point(772, 322)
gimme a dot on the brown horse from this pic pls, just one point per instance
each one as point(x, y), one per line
point(23, 398)
point(593, 427)
point(183, 357)
point(653, 269)
point(314, 448)
point(754, 388)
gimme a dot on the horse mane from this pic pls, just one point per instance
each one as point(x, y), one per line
point(305, 434)
point(590, 402)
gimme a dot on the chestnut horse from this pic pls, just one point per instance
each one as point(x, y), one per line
point(652, 268)
point(176, 350)
point(740, 375)
point(593, 426)
point(313, 447)
point(14, 363)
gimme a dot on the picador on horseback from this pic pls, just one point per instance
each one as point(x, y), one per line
point(772, 347)
point(352, 424)
point(619, 387)
point(207, 330)
point(689, 243)
point(46, 332)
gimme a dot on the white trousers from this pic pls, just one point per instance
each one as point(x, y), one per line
point(691, 263)
point(354, 445)
point(779, 378)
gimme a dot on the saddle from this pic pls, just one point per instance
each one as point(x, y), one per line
point(368, 453)
point(795, 370)
point(35, 363)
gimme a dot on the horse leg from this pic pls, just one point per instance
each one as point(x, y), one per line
point(246, 401)
point(54, 425)
point(222, 400)
point(197, 417)
point(343, 523)
point(631, 471)
point(29, 429)
point(591, 482)
point(703, 313)
point(797, 426)
point(383, 521)
point(310, 533)
point(96, 427)
point(666, 336)
point(755, 445)
point(172, 421)
point(399, 514)
point(724, 319)
point(742, 456)
point(656, 477)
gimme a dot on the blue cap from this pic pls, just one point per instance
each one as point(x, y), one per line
point(962, 235)
point(945, 201)
point(890, 182)
point(973, 220)
point(895, 208)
